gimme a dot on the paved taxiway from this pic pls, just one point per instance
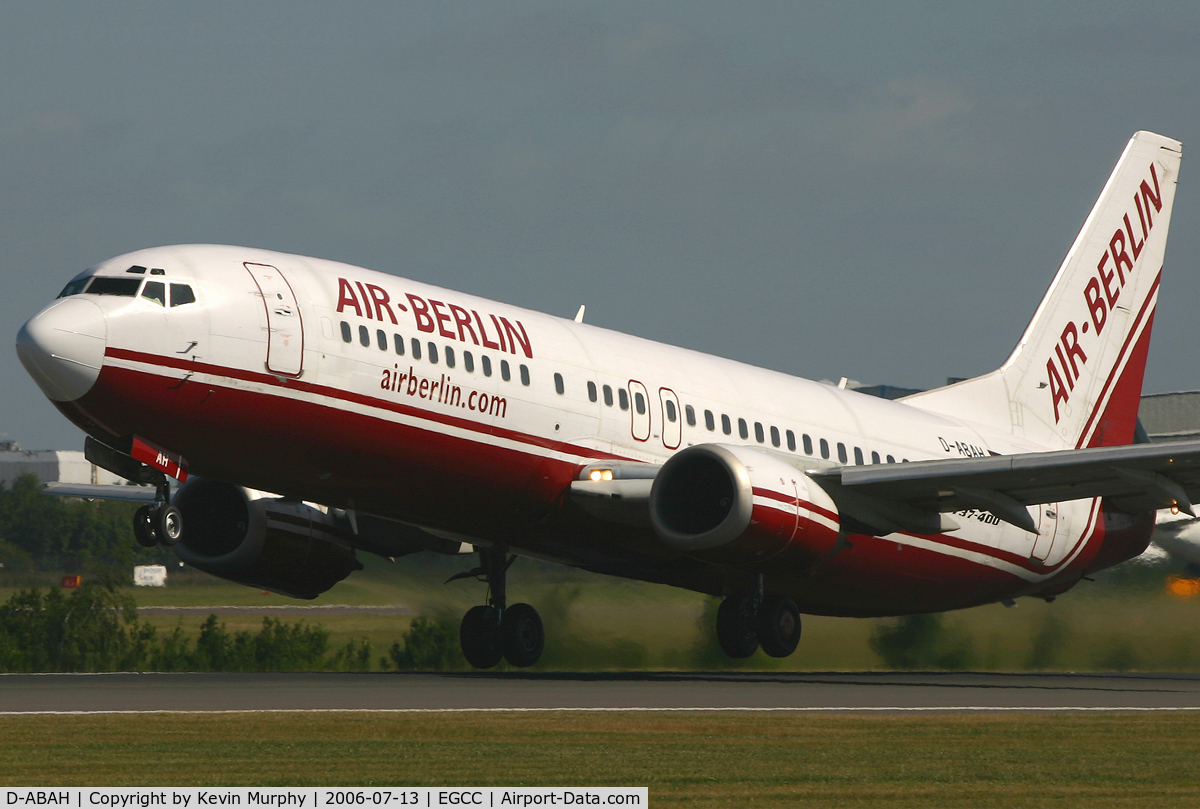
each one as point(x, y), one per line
point(653, 691)
point(292, 610)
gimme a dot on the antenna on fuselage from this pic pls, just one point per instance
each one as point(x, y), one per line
point(579, 314)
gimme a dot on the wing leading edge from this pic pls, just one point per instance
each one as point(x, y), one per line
point(101, 491)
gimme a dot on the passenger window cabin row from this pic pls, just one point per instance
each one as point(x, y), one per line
point(619, 398)
point(760, 435)
point(743, 428)
point(431, 352)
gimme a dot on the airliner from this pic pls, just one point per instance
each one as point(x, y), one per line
point(1178, 535)
point(290, 413)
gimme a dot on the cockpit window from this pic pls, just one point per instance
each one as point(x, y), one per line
point(155, 291)
point(157, 271)
point(124, 287)
point(181, 294)
point(137, 269)
point(75, 286)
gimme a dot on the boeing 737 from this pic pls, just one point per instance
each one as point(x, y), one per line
point(312, 410)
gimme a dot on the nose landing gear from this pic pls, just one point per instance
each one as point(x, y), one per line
point(496, 631)
point(158, 523)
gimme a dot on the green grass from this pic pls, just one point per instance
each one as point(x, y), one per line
point(597, 622)
point(706, 760)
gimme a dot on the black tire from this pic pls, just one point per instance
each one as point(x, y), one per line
point(145, 527)
point(522, 636)
point(737, 626)
point(169, 523)
point(479, 637)
point(778, 626)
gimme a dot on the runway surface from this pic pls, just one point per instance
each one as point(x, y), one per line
point(26, 693)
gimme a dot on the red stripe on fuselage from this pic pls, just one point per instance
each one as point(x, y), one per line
point(1023, 562)
point(792, 500)
point(283, 443)
point(357, 398)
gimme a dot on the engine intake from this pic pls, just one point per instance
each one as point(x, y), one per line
point(740, 506)
point(269, 542)
point(702, 498)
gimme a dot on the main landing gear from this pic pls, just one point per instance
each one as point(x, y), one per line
point(495, 631)
point(747, 620)
point(159, 522)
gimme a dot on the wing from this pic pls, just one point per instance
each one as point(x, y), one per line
point(1141, 477)
point(94, 491)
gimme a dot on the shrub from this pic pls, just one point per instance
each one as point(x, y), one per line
point(354, 656)
point(95, 628)
point(429, 645)
point(921, 642)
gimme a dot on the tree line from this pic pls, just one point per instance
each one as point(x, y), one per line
point(40, 532)
point(96, 628)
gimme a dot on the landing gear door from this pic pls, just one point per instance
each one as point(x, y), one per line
point(639, 411)
point(285, 329)
point(672, 419)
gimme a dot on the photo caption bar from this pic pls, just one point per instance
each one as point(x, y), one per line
point(321, 797)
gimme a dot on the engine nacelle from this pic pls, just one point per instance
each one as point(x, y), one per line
point(741, 506)
point(280, 545)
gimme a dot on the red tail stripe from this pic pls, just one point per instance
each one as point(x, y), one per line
point(1100, 400)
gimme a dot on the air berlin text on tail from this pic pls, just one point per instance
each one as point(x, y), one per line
point(313, 797)
point(1114, 268)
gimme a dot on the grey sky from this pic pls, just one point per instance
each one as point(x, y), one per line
point(881, 191)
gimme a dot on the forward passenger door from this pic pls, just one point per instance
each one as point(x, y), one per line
point(285, 329)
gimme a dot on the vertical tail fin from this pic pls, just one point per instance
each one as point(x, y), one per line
point(1075, 378)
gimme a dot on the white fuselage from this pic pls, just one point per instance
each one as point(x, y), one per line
point(498, 405)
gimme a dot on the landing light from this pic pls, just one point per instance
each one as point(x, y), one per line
point(601, 474)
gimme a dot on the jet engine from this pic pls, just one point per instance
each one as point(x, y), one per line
point(277, 544)
point(740, 506)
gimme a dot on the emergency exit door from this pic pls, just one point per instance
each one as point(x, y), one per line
point(640, 411)
point(672, 419)
point(285, 329)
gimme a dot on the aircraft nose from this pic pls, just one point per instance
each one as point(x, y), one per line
point(62, 348)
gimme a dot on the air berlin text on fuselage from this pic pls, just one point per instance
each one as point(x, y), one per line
point(1103, 290)
point(448, 320)
point(442, 391)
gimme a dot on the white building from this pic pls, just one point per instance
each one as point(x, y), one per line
point(50, 465)
point(1171, 416)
